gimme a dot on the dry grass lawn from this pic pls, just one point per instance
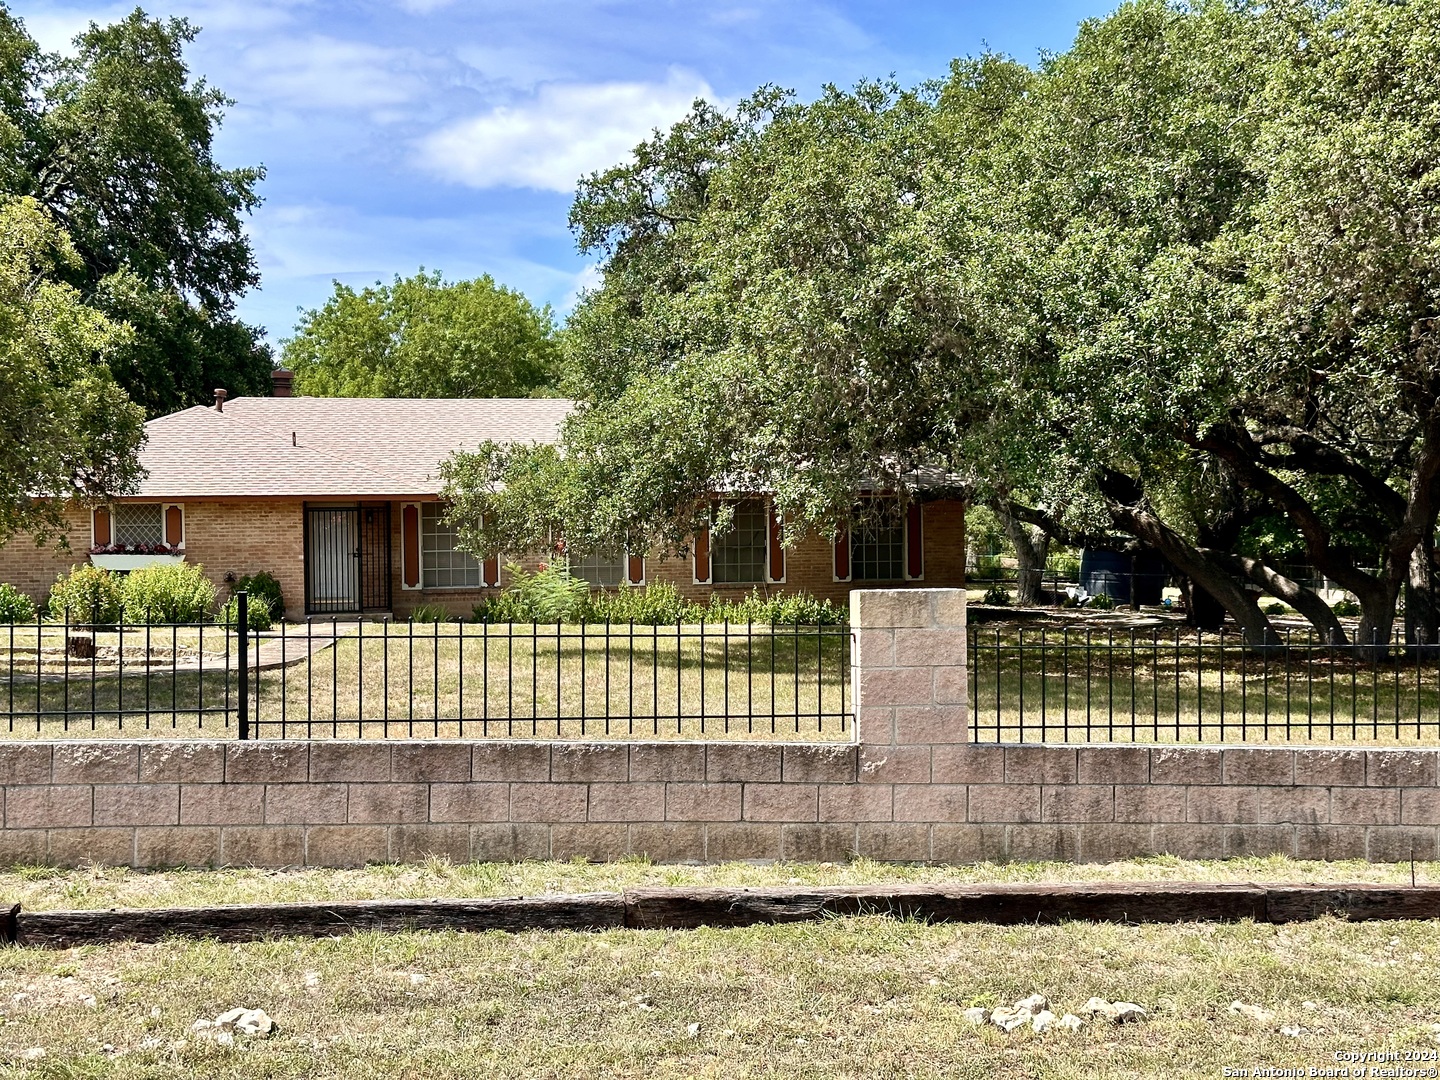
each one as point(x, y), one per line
point(438, 681)
point(862, 997)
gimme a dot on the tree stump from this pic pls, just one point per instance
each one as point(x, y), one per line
point(81, 646)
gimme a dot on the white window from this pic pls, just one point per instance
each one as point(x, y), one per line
point(600, 569)
point(877, 544)
point(442, 564)
point(137, 523)
point(738, 556)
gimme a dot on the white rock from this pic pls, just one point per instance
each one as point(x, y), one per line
point(1309, 1006)
point(976, 1015)
point(1292, 1031)
point(1034, 1003)
point(1128, 1012)
point(1017, 1021)
point(1251, 1012)
point(1069, 1022)
point(312, 979)
point(1043, 1021)
point(692, 1031)
point(35, 1053)
point(1002, 1015)
point(1098, 1006)
point(241, 1021)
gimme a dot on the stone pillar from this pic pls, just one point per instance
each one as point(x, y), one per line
point(909, 673)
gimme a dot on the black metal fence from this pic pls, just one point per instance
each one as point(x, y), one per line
point(1174, 685)
point(338, 679)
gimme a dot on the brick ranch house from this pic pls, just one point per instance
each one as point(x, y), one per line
point(339, 499)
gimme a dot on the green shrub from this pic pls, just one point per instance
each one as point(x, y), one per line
point(430, 613)
point(501, 608)
point(800, 609)
point(1102, 602)
point(264, 584)
point(87, 594)
point(257, 613)
point(987, 567)
point(553, 595)
point(549, 594)
point(1275, 609)
point(1345, 607)
point(650, 605)
point(1064, 565)
point(168, 593)
point(15, 606)
point(997, 595)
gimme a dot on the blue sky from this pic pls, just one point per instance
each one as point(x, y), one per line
point(450, 133)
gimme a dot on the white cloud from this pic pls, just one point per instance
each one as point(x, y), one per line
point(563, 132)
point(325, 73)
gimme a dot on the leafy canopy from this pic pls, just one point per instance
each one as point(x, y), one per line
point(66, 428)
point(424, 337)
point(115, 142)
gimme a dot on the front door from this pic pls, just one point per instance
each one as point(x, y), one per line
point(332, 560)
point(375, 557)
point(347, 559)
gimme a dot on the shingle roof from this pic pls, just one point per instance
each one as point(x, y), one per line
point(342, 447)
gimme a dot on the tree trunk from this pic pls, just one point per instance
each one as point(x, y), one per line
point(1422, 618)
point(1032, 546)
point(1130, 512)
point(1297, 596)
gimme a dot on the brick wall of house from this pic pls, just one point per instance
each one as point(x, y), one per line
point(33, 569)
point(241, 537)
point(809, 567)
point(910, 788)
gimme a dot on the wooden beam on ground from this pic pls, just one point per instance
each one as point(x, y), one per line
point(685, 908)
point(253, 922)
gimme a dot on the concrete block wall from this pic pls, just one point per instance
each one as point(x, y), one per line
point(909, 788)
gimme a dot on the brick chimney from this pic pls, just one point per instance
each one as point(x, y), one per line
point(280, 382)
point(220, 396)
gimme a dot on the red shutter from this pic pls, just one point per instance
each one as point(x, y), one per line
point(776, 552)
point(101, 526)
point(410, 546)
point(490, 570)
point(635, 569)
point(914, 542)
point(174, 526)
point(842, 556)
point(702, 555)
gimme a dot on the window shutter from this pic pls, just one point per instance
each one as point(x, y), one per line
point(914, 542)
point(635, 569)
point(702, 555)
point(410, 546)
point(774, 550)
point(100, 525)
point(842, 555)
point(490, 571)
point(174, 526)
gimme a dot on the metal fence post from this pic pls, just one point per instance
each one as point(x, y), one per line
point(242, 628)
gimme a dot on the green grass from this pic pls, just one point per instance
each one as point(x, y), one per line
point(853, 997)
